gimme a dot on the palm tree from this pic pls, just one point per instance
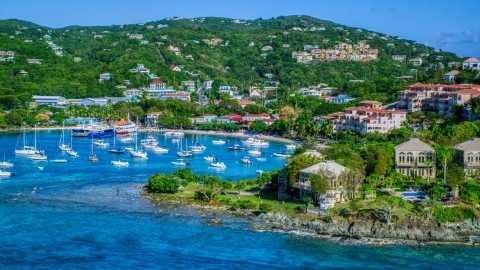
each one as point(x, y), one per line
point(428, 164)
point(444, 154)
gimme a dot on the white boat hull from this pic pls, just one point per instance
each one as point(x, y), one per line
point(120, 163)
point(25, 152)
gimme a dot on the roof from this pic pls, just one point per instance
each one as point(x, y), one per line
point(470, 145)
point(157, 113)
point(371, 102)
point(471, 60)
point(157, 81)
point(331, 165)
point(453, 72)
point(414, 144)
point(176, 95)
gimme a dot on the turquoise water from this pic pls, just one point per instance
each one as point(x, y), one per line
point(85, 215)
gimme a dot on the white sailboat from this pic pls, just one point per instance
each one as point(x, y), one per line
point(218, 165)
point(219, 142)
point(61, 145)
point(71, 152)
point(184, 153)
point(39, 154)
point(5, 163)
point(25, 150)
point(5, 174)
point(137, 153)
point(120, 163)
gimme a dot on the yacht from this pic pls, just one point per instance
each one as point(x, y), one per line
point(183, 153)
point(219, 142)
point(39, 156)
point(126, 139)
point(62, 145)
point(167, 133)
point(236, 147)
point(291, 146)
point(150, 140)
point(255, 151)
point(72, 153)
point(259, 171)
point(248, 141)
point(196, 149)
point(101, 131)
point(120, 163)
point(198, 146)
point(210, 158)
point(124, 127)
point(258, 143)
point(180, 162)
point(218, 165)
point(246, 160)
point(178, 133)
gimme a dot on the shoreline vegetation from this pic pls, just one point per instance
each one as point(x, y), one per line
point(269, 214)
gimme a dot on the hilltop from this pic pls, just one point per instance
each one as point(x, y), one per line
point(239, 53)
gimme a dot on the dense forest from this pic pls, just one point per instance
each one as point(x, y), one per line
point(231, 61)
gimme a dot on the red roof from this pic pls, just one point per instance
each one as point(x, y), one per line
point(157, 81)
point(268, 120)
point(237, 118)
point(257, 115)
point(209, 114)
point(245, 102)
point(471, 60)
point(156, 113)
point(453, 72)
point(231, 115)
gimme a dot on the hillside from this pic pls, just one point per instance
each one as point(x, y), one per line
point(230, 61)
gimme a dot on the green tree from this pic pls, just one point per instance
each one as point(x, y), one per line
point(211, 188)
point(388, 205)
point(163, 183)
point(294, 165)
point(240, 185)
point(258, 126)
point(444, 155)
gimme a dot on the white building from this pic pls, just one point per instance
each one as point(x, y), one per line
point(411, 158)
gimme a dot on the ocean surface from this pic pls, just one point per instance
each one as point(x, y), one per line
point(85, 215)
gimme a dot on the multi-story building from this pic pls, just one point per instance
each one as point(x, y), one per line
point(415, 158)
point(471, 64)
point(366, 119)
point(435, 97)
point(188, 86)
point(158, 85)
point(467, 155)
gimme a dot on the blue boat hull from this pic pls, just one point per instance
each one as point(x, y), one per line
point(103, 134)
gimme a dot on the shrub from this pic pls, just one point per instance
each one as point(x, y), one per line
point(163, 183)
point(470, 192)
point(452, 214)
point(265, 207)
point(328, 219)
point(244, 204)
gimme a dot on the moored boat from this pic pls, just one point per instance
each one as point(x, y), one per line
point(219, 142)
point(5, 173)
point(100, 143)
point(210, 158)
point(255, 151)
point(180, 162)
point(281, 154)
point(218, 165)
point(159, 149)
point(120, 163)
point(124, 127)
point(246, 160)
point(236, 147)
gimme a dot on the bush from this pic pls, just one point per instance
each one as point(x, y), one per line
point(163, 183)
point(186, 175)
point(328, 219)
point(265, 207)
point(244, 204)
point(470, 192)
point(452, 214)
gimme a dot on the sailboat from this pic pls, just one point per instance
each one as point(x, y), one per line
point(71, 152)
point(136, 152)
point(62, 145)
point(116, 149)
point(39, 154)
point(25, 150)
point(5, 163)
point(92, 156)
point(184, 153)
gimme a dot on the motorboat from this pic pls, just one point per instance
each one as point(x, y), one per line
point(255, 151)
point(5, 174)
point(281, 154)
point(120, 163)
point(40, 168)
point(258, 143)
point(261, 159)
point(291, 146)
point(58, 161)
point(210, 158)
point(175, 140)
point(149, 145)
point(150, 140)
point(248, 140)
point(236, 147)
point(259, 171)
point(126, 139)
point(246, 160)
point(167, 133)
point(219, 142)
point(178, 133)
point(100, 143)
point(39, 157)
point(72, 153)
point(93, 158)
point(218, 165)
point(198, 146)
point(116, 150)
point(184, 153)
point(159, 149)
point(180, 162)
point(196, 149)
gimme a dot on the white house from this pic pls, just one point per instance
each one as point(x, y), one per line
point(105, 76)
point(94, 101)
point(189, 85)
point(471, 64)
point(158, 85)
point(256, 92)
point(226, 89)
point(450, 76)
point(133, 93)
point(50, 100)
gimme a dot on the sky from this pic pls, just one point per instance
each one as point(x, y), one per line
point(452, 26)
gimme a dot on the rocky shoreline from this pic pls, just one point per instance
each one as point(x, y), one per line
point(360, 232)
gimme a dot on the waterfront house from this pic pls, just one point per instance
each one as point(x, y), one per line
point(412, 159)
point(151, 118)
point(467, 155)
point(155, 94)
point(331, 170)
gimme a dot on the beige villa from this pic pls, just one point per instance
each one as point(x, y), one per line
point(412, 158)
